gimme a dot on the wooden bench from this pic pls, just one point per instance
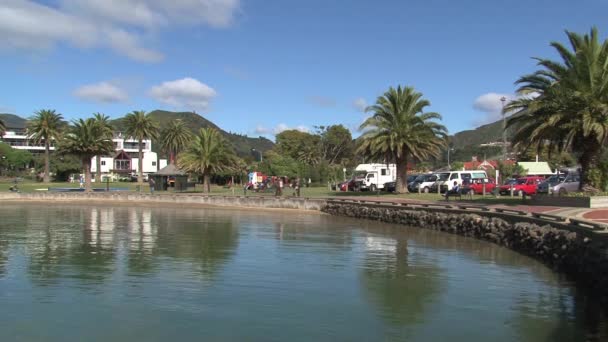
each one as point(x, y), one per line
point(461, 192)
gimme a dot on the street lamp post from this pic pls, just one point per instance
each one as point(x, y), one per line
point(449, 164)
point(261, 156)
point(504, 129)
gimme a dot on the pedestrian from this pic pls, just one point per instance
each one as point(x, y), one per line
point(81, 182)
point(281, 184)
point(297, 187)
point(277, 188)
point(151, 182)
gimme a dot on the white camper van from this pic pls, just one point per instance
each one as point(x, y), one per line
point(376, 175)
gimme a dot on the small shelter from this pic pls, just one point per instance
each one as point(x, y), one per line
point(170, 176)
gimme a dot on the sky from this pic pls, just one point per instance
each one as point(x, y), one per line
point(258, 67)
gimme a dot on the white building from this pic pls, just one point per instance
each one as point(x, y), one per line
point(122, 163)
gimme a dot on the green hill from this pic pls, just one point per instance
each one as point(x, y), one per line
point(13, 121)
point(480, 135)
point(241, 143)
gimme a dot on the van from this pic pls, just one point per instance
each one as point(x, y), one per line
point(445, 180)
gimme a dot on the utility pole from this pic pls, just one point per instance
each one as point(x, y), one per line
point(504, 129)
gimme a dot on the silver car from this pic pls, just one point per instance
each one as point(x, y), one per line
point(560, 184)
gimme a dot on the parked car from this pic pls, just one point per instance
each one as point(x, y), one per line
point(354, 184)
point(423, 182)
point(390, 186)
point(560, 184)
point(523, 185)
point(476, 186)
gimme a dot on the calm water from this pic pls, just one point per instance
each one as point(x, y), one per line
point(125, 274)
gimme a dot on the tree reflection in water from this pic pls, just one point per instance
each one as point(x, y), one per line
point(206, 240)
point(402, 290)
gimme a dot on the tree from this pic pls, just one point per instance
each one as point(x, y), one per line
point(46, 125)
point(510, 170)
point(174, 139)
point(457, 165)
point(336, 143)
point(2, 128)
point(400, 129)
point(291, 142)
point(565, 103)
point(103, 121)
point(140, 126)
point(209, 153)
point(85, 140)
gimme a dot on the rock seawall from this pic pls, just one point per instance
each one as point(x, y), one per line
point(583, 258)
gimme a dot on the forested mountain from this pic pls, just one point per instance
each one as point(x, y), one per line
point(241, 143)
point(13, 121)
point(481, 135)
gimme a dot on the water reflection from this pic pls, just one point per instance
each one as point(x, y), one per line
point(230, 275)
point(401, 283)
point(205, 242)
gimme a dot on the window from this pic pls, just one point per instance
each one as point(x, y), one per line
point(371, 175)
point(465, 176)
point(383, 172)
point(153, 163)
point(103, 163)
point(454, 176)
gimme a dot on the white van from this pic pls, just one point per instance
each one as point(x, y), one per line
point(446, 179)
point(376, 175)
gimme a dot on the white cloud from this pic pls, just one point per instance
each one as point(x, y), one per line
point(263, 130)
point(491, 105)
point(104, 92)
point(186, 93)
point(360, 104)
point(120, 25)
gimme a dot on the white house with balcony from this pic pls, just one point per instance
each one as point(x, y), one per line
point(122, 163)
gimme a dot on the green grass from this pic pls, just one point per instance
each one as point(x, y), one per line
point(313, 192)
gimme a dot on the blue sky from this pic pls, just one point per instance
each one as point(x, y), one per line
point(257, 67)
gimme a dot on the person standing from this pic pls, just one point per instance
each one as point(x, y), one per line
point(152, 183)
point(81, 182)
point(297, 187)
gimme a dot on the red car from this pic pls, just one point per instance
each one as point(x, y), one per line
point(523, 185)
point(476, 186)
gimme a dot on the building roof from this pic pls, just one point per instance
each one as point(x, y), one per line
point(536, 168)
point(170, 170)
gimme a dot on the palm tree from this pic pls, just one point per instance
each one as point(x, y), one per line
point(140, 126)
point(209, 153)
point(44, 126)
point(564, 105)
point(399, 129)
point(174, 138)
point(2, 128)
point(103, 121)
point(86, 139)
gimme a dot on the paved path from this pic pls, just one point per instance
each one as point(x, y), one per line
point(598, 215)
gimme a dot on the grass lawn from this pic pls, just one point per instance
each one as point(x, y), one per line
point(314, 192)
